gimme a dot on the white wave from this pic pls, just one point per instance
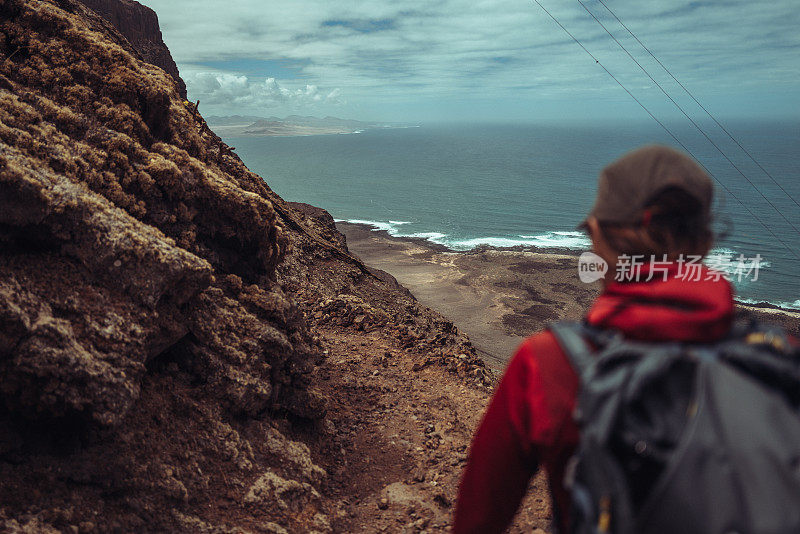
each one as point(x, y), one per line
point(434, 237)
point(570, 240)
point(556, 239)
point(788, 305)
point(729, 261)
point(389, 227)
point(466, 244)
point(722, 251)
point(571, 233)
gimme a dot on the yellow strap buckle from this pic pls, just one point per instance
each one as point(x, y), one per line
point(766, 338)
point(604, 518)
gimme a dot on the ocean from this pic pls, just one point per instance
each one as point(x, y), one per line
point(506, 185)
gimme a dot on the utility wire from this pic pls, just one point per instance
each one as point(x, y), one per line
point(597, 61)
point(699, 104)
point(697, 126)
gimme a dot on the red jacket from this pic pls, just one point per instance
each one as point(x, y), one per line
point(529, 419)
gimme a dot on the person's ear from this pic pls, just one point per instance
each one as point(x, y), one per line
point(600, 246)
point(593, 226)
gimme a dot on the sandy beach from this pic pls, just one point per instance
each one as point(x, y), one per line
point(497, 297)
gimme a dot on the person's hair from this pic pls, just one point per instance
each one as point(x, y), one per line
point(677, 225)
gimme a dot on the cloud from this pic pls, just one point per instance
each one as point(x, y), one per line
point(225, 89)
point(393, 51)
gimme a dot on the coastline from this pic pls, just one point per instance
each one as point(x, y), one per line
point(287, 130)
point(280, 129)
point(566, 251)
point(497, 296)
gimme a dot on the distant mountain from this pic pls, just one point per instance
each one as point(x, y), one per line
point(327, 122)
point(238, 125)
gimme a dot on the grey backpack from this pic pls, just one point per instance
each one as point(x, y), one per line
point(685, 438)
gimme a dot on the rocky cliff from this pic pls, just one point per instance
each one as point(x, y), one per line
point(139, 25)
point(165, 317)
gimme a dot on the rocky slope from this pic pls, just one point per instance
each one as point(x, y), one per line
point(139, 25)
point(180, 349)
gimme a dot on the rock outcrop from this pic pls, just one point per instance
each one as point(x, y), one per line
point(139, 25)
point(140, 314)
point(106, 169)
point(159, 304)
point(324, 223)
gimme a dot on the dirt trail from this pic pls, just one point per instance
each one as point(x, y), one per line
point(400, 435)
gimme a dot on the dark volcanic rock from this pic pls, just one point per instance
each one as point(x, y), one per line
point(324, 222)
point(108, 171)
point(140, 316)
point(139, 25)
point(87, 295)
point(155, 301)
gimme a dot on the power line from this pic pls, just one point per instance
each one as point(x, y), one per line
point(697, 126)
point(699, 104)
point(597, 61)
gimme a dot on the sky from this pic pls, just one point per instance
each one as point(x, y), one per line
point(485, 60)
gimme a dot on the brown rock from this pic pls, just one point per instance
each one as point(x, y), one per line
point(140, 316)
point(139, 25)
point(153, 291)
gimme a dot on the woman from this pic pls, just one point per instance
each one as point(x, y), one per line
point(650, 223)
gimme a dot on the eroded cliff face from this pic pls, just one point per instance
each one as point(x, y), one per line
point(159, 311)
point(106, 169)
point(139, 25)
point(139, 310)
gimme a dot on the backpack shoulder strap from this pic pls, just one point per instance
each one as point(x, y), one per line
point(572, 336)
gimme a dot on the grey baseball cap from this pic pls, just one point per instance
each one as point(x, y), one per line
point(629, 184)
